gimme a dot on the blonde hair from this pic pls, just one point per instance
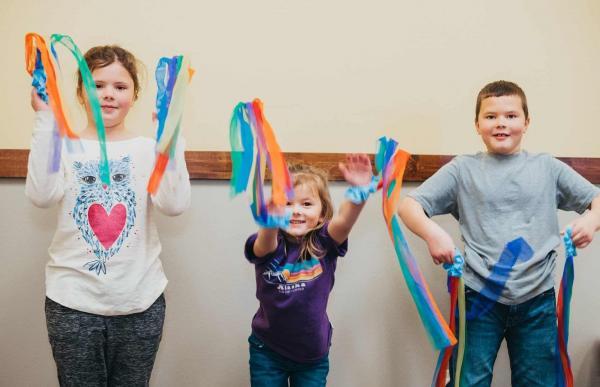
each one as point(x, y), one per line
point(316, 179)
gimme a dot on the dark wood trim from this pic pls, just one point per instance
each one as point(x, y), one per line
point(209, 165)
point(13, 162)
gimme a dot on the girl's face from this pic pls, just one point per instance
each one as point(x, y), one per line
point(306, 208)
point(115, 94)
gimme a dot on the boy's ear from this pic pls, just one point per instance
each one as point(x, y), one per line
point(526, 125)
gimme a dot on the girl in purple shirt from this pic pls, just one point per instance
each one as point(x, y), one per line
point(291, 332)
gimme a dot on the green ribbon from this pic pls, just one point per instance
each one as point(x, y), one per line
point(92, 96)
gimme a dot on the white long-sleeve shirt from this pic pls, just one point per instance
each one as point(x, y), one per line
point(104, 257)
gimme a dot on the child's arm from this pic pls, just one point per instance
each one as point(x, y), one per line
point(43, 188)
point(266, 242)
point(440, 244)
point(358, 172)
point(584, 227)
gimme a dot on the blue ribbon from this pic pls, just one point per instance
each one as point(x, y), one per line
point(455, 269)
point(517, 250)
point(273, 221)
point(570, 249)
point(38, 79)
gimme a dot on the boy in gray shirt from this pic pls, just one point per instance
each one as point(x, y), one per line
point(505, 201)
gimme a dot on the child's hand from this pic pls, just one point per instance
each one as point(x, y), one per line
point(274, 208)
point(38, 103)
point(441, 247)
point(583, 229)
point(357, 169)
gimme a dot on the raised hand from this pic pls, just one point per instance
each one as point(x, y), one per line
point(357, 169)
point(38, 103)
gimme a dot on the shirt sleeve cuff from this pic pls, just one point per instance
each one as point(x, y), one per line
point(44, 121)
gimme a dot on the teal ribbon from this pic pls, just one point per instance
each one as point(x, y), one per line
point(90, 89)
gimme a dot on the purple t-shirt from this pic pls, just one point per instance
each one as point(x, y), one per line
point(292, 316)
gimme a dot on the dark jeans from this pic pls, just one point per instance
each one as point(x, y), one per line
point(92, 350)
point(530, 332)
point(269, 369)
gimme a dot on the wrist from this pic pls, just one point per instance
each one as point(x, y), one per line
point(456, 268)
point(44, 121)
point(359, 194)
point(272, 221)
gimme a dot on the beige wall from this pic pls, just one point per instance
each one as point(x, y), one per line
point(378, 340)
point(333, 70)
point(327, 70)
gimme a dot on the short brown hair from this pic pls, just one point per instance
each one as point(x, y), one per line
point(499, 89)
point(102, 56)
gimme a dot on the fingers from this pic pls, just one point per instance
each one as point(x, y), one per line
point(37, 103)
point(359, 160)
point(440, 260)
point(356, 169)
point(35, 100)
point(445, 257)
point(582, 245)
point(449, 258)
point(581, 239)
point(581, 235)
point(364, 160)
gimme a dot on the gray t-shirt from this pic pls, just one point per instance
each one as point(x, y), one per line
point(500, 198)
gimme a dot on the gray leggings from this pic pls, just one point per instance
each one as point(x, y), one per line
point(94, 350)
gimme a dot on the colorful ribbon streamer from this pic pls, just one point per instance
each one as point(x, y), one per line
point(40, 66)
point(563, 312)
point(92, 97)
point(456, 288)
point(170, 101)
point(391, 162)
point(249, 129)
point(242, 149)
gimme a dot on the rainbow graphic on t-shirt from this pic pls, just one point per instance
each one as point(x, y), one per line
point(301, 271)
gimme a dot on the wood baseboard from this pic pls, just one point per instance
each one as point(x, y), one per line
point(215, 165)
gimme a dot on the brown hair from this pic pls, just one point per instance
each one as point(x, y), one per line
point(102, 56)
point(317, 180)
point(500, 89)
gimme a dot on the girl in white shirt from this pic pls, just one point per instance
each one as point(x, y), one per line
point(104, 280)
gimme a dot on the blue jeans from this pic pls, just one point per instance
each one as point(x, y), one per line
point(530, 332)
point(270, 369)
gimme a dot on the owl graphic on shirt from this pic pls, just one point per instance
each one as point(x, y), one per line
point(104, 214)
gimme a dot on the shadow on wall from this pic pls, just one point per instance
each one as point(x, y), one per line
point(589, 375)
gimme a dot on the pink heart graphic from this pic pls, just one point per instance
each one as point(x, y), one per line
point(107, 227)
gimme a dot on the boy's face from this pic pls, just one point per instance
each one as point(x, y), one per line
point(501, 124)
